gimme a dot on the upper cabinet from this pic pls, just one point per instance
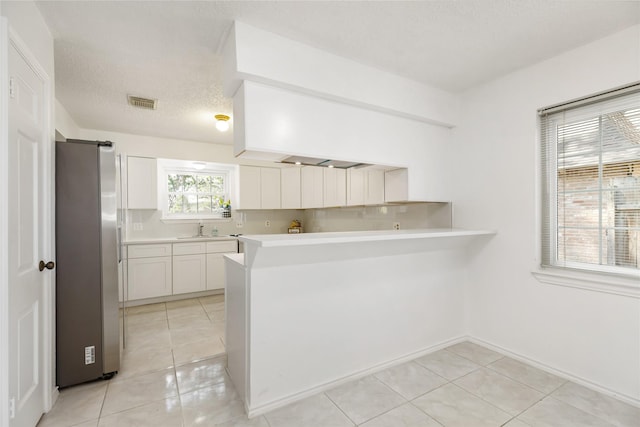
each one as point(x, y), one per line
point(290, 188)
point(270, 195)
point(396, 187)
point(355, 187)
point(312, 182)
point(373, 186)
point(335, 187)
point(365, 186)
point(259, 188)
point(142, 186)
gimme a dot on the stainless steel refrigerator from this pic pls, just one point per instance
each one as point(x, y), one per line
point(87, 316)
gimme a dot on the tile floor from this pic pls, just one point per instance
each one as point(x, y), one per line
point(173, 374)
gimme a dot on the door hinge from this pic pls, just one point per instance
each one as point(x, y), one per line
point(12, 408)
point(12, 91)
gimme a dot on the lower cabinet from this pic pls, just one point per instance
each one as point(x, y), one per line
point(215, 262)
point(215, 271)
point(189, 273)
point(149, 277)
point(157, 270)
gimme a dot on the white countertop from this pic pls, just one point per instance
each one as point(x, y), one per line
point(305, 239)
point(178, 240)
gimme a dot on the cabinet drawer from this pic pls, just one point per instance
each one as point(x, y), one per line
point(191, 248)
point(226, 246)
point(148, 251)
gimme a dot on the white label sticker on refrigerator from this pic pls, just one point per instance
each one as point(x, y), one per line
point(90, 355)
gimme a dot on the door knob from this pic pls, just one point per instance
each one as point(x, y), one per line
point(48, 266)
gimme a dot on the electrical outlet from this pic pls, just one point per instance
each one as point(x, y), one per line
point(239, 225)
point(396, 226)
point(137, 226)
point(267, 223)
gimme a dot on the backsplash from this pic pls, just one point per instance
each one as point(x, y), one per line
point(365, 218)
point(253, 222)
point(362, 218)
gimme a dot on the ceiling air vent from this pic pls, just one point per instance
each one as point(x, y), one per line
point(146, 103)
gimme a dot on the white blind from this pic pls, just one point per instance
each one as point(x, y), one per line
point(591, 183)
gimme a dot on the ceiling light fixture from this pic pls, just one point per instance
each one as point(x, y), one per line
point(222, 122)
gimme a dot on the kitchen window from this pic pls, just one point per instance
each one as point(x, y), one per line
point(590, 161)
point(194, 190)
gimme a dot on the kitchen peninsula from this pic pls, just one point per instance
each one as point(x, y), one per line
point(308, 312)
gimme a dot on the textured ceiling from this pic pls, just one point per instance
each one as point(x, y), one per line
point(168, 50)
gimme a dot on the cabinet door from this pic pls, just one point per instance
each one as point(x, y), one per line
point(374, 187)
point(270, 188)
point(249, 193)
point(148, 277)
point(189, 273)
point(312, 180)
point(355, 187)
point(396, 187)
point(290, 185)
point(335, 187)
point(215, 271)
point(142, 183)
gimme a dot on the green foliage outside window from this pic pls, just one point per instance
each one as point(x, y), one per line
point(195, 193)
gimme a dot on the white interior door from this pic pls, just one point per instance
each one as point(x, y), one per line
point(28, 220)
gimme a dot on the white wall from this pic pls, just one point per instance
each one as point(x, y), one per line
point(590, 335)
point(64, 123)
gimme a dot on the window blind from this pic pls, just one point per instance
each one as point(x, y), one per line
point(590, 159)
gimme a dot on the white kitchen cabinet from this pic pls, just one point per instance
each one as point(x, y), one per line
point(335, 187)
point(142, 183)
point(215, 271)
point(215, 262)
point(270, 188)
point(312, 184)
point(148, 251)
point(189, 273)
point(189, 267)
point(365, 187)
point(148, 277)
point(259, 188)
point(374, 187)
point(396, 187)
point(355, 187)
point(148, 270)
point(249, 192)
point(290, 188)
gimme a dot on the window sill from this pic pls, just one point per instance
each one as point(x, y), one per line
point(591, 281)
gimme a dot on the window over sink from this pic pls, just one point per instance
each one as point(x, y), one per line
point(194, 190)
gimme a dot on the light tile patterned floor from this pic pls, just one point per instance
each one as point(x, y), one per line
point(174, 375)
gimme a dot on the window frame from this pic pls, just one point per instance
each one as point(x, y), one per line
point(550, 270)
point(167, 167)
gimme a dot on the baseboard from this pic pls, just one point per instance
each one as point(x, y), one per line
point(562, 374)
point(169, 298)
point(279, 403)
point(53, 398)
